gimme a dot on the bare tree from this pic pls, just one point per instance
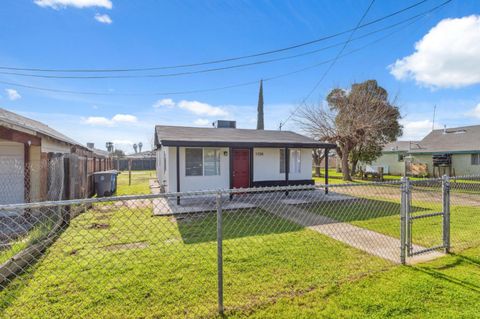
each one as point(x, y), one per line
point(361, 119)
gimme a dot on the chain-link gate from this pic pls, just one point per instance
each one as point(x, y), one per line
point(425, 216)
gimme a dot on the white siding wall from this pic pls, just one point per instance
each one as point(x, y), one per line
point(190, 183)
point(395, 167)
point(266, 165)
point(266, 168)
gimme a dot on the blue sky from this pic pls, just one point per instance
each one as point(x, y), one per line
point(433, 61)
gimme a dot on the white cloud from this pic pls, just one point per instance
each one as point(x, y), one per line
point(59, 4)
point(202, 122)
point(12, 94)
point(164, 102)
point(103, 121)
point(200, 108)
point(98, 120)
point(103, 18)
point(124, 118)
point(416, 130)
point(475, 112)
point(447, 56)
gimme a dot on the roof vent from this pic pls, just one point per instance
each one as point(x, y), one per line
point(225, 124)
point(90, 145)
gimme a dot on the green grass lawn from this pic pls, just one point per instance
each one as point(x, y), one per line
point(144, 266)
point(378, 209)
point(119, 262)
point(139, 184)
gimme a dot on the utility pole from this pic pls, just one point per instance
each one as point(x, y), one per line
point(434, 111)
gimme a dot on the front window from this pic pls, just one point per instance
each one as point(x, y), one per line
point(295, 161)
point(202, 162)
point(282, 161)
point(193, 162)
point(475, 159)
point(211, 162)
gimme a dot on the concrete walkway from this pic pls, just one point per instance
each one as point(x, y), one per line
point(374, 243)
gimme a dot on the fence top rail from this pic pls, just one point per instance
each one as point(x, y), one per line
point(254, 190)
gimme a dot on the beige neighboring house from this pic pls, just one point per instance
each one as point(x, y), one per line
point(460, 144)
point(393, 157)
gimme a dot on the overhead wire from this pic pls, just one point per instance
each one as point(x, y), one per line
point(295, 46)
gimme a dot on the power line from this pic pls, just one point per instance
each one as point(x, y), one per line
point(225, 59)
point(254, 82)
point(265, 79)
point(330, 65)
point(231, 66)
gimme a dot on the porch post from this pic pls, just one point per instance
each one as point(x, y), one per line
point(178, 173)
point(327, 150)
point(287, 167)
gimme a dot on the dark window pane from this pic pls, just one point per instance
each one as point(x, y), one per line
point(282, 160)
point(193, 162)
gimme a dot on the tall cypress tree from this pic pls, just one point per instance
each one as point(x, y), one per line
point(260, 124)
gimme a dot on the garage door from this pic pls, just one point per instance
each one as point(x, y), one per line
point(11, 173)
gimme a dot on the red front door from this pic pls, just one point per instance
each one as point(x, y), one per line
point(241, 168)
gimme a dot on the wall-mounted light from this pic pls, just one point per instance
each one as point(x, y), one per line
point(29, 143)
point(225, 153)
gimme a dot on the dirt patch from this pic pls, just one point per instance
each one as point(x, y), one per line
point(127, 246)
point(98, 226)
point(103, 217)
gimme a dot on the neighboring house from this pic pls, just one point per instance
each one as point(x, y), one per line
point(27, 150)
point(393, 157)
point(461, 145)
point(192, 159)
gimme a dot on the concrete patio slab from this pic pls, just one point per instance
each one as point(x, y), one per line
point(198, 204)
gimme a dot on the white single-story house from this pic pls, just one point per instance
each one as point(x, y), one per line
point(452, 151)
point(193, 158)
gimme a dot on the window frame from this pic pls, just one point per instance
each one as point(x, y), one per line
point(295, 164)
point(217, 155)
point(281, 153)
point(292, 166)
point(475, 159)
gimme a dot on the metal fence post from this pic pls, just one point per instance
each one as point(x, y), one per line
point(446, 212)
point(220, 252)
point(403, 219)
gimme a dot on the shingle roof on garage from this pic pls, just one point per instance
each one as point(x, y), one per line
point(224, 137)
point(8, 118)
point(459, 139)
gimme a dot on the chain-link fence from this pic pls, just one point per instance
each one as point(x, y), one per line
point(234, 251)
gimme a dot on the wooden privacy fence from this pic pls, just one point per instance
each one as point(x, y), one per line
point(137, 164)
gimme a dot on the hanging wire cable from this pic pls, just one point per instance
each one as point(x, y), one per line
point(243, 84)
point(227, 67)
point(330, 66)
point(324, 38)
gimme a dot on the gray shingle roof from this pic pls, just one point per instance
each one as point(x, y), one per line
point(397, 146)
point(7, 117)
point(196, 136)
point(459, 139)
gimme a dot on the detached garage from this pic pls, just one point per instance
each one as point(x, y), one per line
point(25, 145)
point(12, 174)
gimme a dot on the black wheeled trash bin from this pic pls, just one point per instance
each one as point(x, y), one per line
point(105, 183)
